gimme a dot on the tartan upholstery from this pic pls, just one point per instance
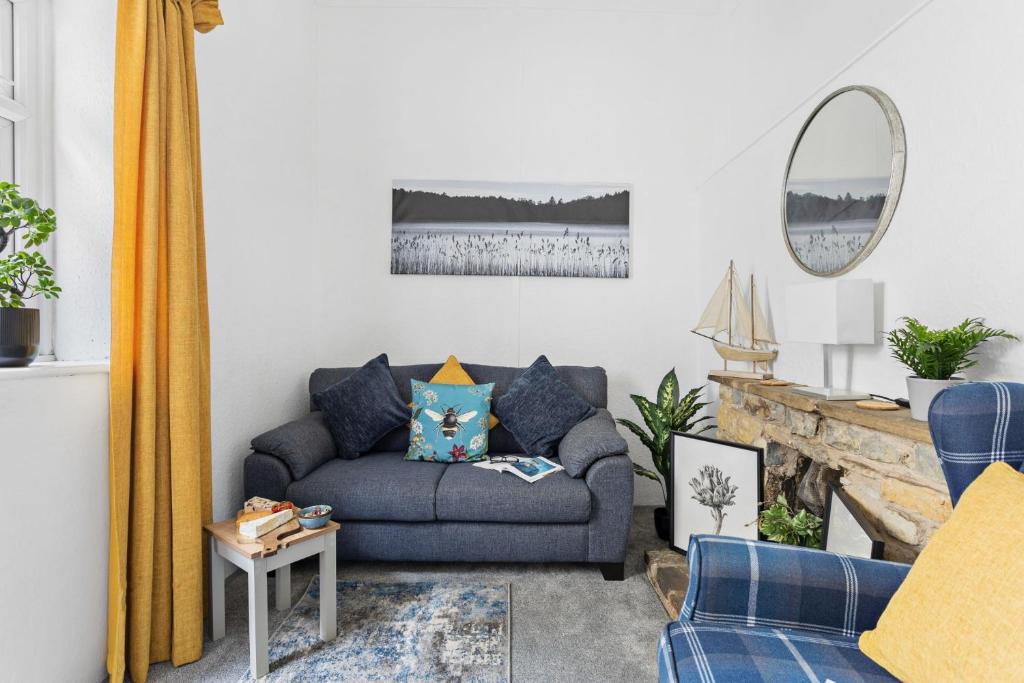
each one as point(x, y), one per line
point(694, 651)
point(974, 425)
point(755, 583)
point(764, 611)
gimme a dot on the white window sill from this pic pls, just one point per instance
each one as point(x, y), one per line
point(55, 368)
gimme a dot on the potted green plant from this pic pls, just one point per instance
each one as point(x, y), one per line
point(669, 413)
point(780, 524)
point(936, 356)
point(24, 274)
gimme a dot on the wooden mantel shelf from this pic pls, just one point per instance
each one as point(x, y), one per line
point(897, 422)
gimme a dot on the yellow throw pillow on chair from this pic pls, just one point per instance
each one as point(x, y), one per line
point(959, 615)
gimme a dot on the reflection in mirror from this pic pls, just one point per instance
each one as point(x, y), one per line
point(843, 180)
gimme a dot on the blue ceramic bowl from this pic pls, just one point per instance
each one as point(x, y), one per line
point(315, 516)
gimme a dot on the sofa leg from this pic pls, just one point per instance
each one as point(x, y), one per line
point(613, 571)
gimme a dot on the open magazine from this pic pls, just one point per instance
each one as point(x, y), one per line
point(528, 469)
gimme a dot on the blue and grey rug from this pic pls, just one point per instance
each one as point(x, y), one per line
point(411, 632)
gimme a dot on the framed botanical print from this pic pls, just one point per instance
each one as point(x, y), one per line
point(716, 488)
point(846, 530)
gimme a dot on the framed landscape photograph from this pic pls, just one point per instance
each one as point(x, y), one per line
point(716, 488)
point(846, 530)
point(458, 227)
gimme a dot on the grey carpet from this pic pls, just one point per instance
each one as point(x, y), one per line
point(568, 624)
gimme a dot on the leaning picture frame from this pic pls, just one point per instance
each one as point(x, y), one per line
point(716, 487)
point(845, 529)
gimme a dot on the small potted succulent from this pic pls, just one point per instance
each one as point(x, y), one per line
point(24, 274)
point(936, 356)
point(669, 413)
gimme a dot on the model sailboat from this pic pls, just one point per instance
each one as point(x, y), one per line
point(745, 327)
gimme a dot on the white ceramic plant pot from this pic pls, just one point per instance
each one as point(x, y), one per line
point(922, 391)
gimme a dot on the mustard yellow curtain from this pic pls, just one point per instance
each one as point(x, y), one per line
point(160, 493)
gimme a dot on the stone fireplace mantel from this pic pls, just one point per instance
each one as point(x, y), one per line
point(885, 460)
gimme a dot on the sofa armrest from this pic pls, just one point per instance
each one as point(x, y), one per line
point(302, 445)
point(755, 583)
point(592, 439)
point(610, 481)
point(265, 476)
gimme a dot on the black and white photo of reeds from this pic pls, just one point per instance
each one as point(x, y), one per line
point(447, 227)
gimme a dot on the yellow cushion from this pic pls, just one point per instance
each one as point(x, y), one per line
point(959, 615)
point(453, 373)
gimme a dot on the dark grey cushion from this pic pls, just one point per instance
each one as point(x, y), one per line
point(589, 441)
point(362, 408)
point(539, 408)
point(474, 494)
point(590, 383)
point(302, 444)
point(377, 486)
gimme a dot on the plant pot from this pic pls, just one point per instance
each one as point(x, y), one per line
point(19, 336)
point(922, 391)
point(661, 523)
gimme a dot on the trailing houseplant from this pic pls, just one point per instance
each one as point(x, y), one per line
point(936, 356)
point(669, 412)
point(24, 273)
point(780, 524)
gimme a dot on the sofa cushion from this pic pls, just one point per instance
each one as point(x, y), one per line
point(450, 422)
point(468, 493)
point(589, 382)
point(539, 408)
point(690, 651)
point(452, 372)
point(362, 408)
point(377, 487)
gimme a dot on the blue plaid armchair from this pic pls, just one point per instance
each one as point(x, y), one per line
point(757, 611)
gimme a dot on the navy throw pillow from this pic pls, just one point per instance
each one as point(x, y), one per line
point(360, 409)
point(539, 408)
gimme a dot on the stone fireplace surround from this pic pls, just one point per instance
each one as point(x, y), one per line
point(884, 460)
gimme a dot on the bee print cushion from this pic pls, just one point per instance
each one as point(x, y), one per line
point(450, 422)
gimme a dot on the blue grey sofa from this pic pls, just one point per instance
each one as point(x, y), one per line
point(757, 611)
point(394, 509)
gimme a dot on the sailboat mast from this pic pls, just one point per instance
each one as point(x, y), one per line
point(732, 279)
point(753, 334)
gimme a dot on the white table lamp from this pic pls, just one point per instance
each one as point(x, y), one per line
point(831, 313)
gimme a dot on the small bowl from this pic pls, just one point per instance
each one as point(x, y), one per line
point(315, 516)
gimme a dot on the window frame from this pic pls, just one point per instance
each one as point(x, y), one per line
point(31, 110)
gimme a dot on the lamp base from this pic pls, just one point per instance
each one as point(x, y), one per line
point(831, 393)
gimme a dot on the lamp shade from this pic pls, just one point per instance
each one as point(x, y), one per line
point(831, 312)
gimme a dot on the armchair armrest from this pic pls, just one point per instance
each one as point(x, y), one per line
point(302, 445)
point(754, 583)
point(589, 441)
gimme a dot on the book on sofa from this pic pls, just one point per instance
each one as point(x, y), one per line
point(527, 469)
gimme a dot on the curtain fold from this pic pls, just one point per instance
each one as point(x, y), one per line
point(160, 489)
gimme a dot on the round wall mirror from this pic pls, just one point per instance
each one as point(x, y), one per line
point(843, 180)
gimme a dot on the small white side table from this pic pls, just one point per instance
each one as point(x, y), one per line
point(224, 547)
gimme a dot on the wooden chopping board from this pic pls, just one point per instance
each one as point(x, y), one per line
point(276, 539)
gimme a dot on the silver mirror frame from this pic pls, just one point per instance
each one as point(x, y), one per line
point(897, 169)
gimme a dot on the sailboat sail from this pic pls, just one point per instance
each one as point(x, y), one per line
point(715, 318)
point(761, 331)
point(741, 311)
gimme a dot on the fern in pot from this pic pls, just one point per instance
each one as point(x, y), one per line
point(936, 356)
point(669, 412)
point(24, 273)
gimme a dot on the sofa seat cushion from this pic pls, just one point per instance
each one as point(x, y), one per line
point(376, 486)
point(694, 651)
point(473, 494)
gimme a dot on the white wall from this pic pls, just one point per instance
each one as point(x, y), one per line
point(256, 90)
point(54, 575)
point(573, 91)
point(952, 248)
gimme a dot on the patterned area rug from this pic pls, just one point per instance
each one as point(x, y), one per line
point(414, 632)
